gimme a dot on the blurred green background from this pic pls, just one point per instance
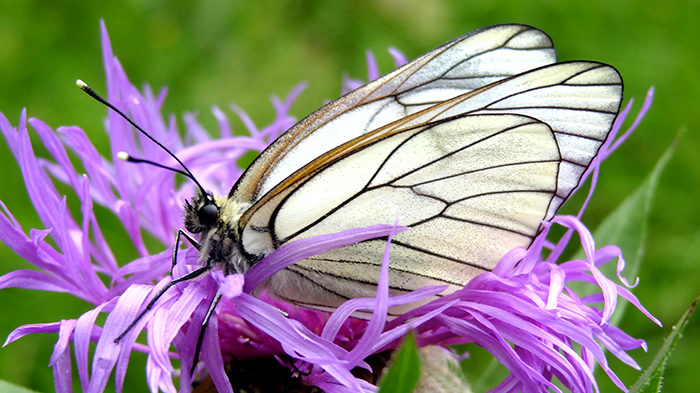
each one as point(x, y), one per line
point(213, 53)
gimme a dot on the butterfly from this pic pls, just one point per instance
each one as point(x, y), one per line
point(471, 145)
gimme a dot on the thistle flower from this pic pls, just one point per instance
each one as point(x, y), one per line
point(524, 312)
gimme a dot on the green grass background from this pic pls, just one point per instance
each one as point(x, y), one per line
point(210, 53)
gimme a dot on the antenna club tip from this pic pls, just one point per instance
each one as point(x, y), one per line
point(82, 85)
point(124, 156)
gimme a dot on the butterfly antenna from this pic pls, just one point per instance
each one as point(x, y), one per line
point(124, 156)
point(84, 87)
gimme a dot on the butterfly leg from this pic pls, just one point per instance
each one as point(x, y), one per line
point(202, 330)
point(189, 276)
point(190, 239)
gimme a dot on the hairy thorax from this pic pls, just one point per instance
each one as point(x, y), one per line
point(220, 242)
point(220, 248)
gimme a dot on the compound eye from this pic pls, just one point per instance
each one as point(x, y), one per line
point(208, 214)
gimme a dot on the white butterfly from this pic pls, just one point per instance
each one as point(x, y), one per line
point(472, 146)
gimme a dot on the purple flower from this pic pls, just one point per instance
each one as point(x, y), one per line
point(524, 312)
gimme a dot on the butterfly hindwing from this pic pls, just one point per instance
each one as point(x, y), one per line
point(469, 187)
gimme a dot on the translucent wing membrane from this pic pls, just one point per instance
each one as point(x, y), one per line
point(580, 107)
point(470, 187)
point(473, 168)
point(464, 64)
point(578, 100)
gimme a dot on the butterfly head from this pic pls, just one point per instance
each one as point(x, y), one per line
point(202, 213)
point(216, 219)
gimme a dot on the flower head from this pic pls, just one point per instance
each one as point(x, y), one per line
point(523, 312)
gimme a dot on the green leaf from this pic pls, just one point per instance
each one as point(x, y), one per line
point(651, 380)
point(404, 372)
point(626, 227)
point(481, 368)
point(7, 387)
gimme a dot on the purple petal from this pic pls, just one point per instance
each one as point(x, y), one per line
point(107, 351)
point(224, 125)
point(229, 286)
point(648, 100)
point(131, 223)
point(304, 248)
point(142, 271)
point(166, 324)
point(33, 328)
point(56, 149)
point(395, 334)
point(81, 341)
point(296, 340)
point(33, 248)
point(380, 310)
point(65, 332)
point(62, 376)
point(283, 120)
point(398, 56)
point(372, 67)
point(350, 84)
point(31, 279)
point(211, 354)
point(195, 131)
point(94, 164)
point(345, 310)
point(247, 121)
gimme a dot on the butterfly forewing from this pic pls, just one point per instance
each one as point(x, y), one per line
point(464, 64)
